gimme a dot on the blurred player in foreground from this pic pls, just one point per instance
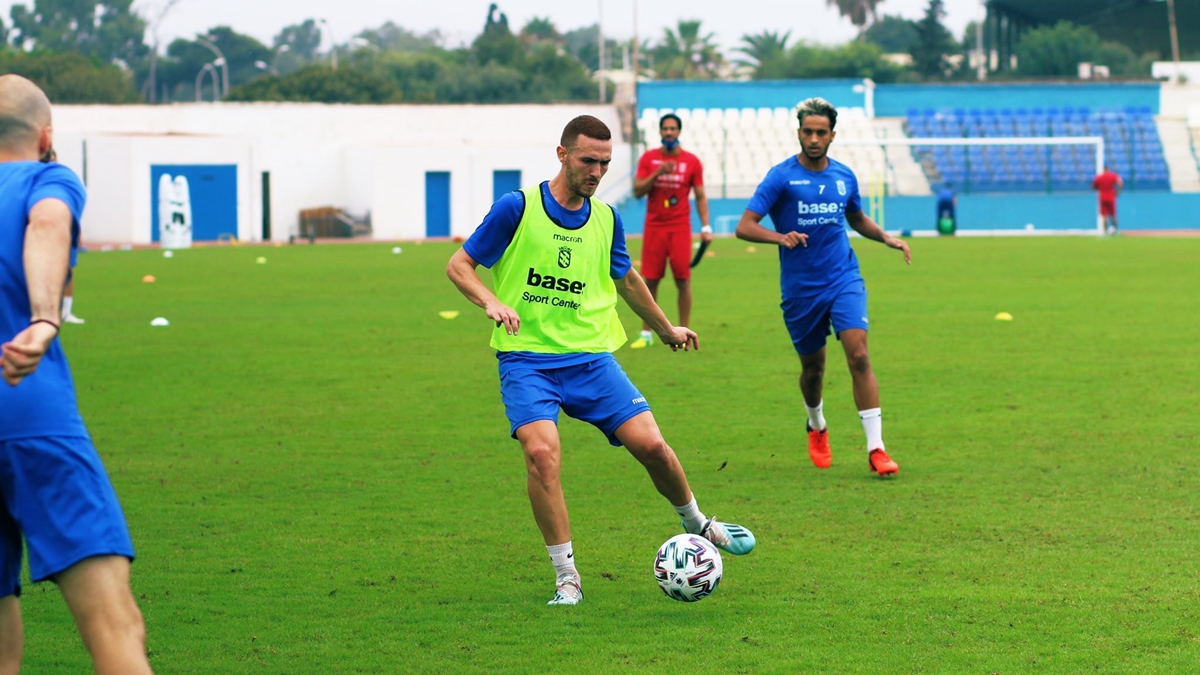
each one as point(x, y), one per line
point(667, 174)
point(68, 300)
point(558, 262)
point(55, 491)
point(810, 198)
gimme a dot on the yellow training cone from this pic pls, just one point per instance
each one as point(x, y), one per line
point(451, 314)
point(1004, 316)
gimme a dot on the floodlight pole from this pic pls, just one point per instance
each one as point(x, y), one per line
point(1174, 40)
point(221, 61)
point(332, 43)
point(208, 68)
point(600, 34)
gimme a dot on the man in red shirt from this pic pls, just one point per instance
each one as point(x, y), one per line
point(1109, 185)
point(668, 174)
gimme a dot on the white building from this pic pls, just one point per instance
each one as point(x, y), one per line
point(390, 161)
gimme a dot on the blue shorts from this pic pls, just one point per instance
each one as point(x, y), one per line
point(808, 319)
point(598, 392)
point(55, 492)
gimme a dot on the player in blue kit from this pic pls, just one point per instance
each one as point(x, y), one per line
point(811, 198)
point(54, 489)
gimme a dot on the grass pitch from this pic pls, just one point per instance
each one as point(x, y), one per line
point(317, 473)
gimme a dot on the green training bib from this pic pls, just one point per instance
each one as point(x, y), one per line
point(558, 282)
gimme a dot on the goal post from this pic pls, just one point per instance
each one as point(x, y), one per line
point(1038, 163)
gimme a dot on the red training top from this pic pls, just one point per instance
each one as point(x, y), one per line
point(1106, 184)
point(668, 198)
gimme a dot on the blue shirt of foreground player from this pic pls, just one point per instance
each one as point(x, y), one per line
point(814, 203)
point(491, 239)
point(43, 404)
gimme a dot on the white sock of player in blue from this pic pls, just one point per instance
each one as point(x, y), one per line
point(816, 416)
point(563, 558)
point(872, 421)
point(693, 519)
point(647, 336)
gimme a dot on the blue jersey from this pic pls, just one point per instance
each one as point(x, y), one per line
point(813, 203)
point(945, 197)
point(43, 404)
point(489, 241)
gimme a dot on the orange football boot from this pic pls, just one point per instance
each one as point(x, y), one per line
point(882, 464)
point(818, 448)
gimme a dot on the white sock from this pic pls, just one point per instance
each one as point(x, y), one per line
point(647, 335)
point(693, 520)
point(872, 421)
point(67, 302)
point(563, 558)
point(816, 416)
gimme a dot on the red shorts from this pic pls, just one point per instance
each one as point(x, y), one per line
point(1108, 207)
point(660, 243)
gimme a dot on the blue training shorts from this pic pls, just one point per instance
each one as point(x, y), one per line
point(598, 392)
point(808, 319)
point(57, 494)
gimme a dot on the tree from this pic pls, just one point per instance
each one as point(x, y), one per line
point(319, 84)
point(934, 42)
point(497, 43)
point(1059, 49)
point(70, 77)
point(185, 59)
point(685, 54)
point(858, 11)
point(539, 28)
point(584, 44)
point(766, 53)
point(104, 29)
point(855, 59)
point(392, 38)
point(893, 34)
point(301, 39)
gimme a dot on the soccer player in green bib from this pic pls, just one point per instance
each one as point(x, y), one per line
point(558, 262)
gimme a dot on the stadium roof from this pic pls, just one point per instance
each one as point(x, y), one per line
point(1140, 24)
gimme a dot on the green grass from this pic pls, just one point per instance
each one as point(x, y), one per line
point(317, 472)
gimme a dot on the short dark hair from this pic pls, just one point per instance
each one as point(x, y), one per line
point(817, 107)
point(584, 125)
point(670, 116)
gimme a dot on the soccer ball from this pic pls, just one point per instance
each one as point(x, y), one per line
point(688, 567)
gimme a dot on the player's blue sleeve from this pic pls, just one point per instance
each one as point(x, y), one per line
point(621, 264)
point(495, 233)
point(766, 194)
point(59, 182)
point(853, 203)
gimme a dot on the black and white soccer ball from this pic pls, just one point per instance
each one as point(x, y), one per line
point(688, 567)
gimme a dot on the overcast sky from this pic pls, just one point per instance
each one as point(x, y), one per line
point(461, 20)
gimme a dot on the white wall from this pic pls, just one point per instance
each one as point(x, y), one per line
point(360, 158)
point(1175, 99)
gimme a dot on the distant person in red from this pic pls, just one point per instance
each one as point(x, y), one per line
point(1109, 185)
point(668, 173)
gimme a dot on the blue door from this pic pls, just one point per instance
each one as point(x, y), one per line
point(437, 203)
point(504, 182)
point(210, 197)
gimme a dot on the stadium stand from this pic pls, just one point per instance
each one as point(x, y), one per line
point(1133, 148)
point(739, 145)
